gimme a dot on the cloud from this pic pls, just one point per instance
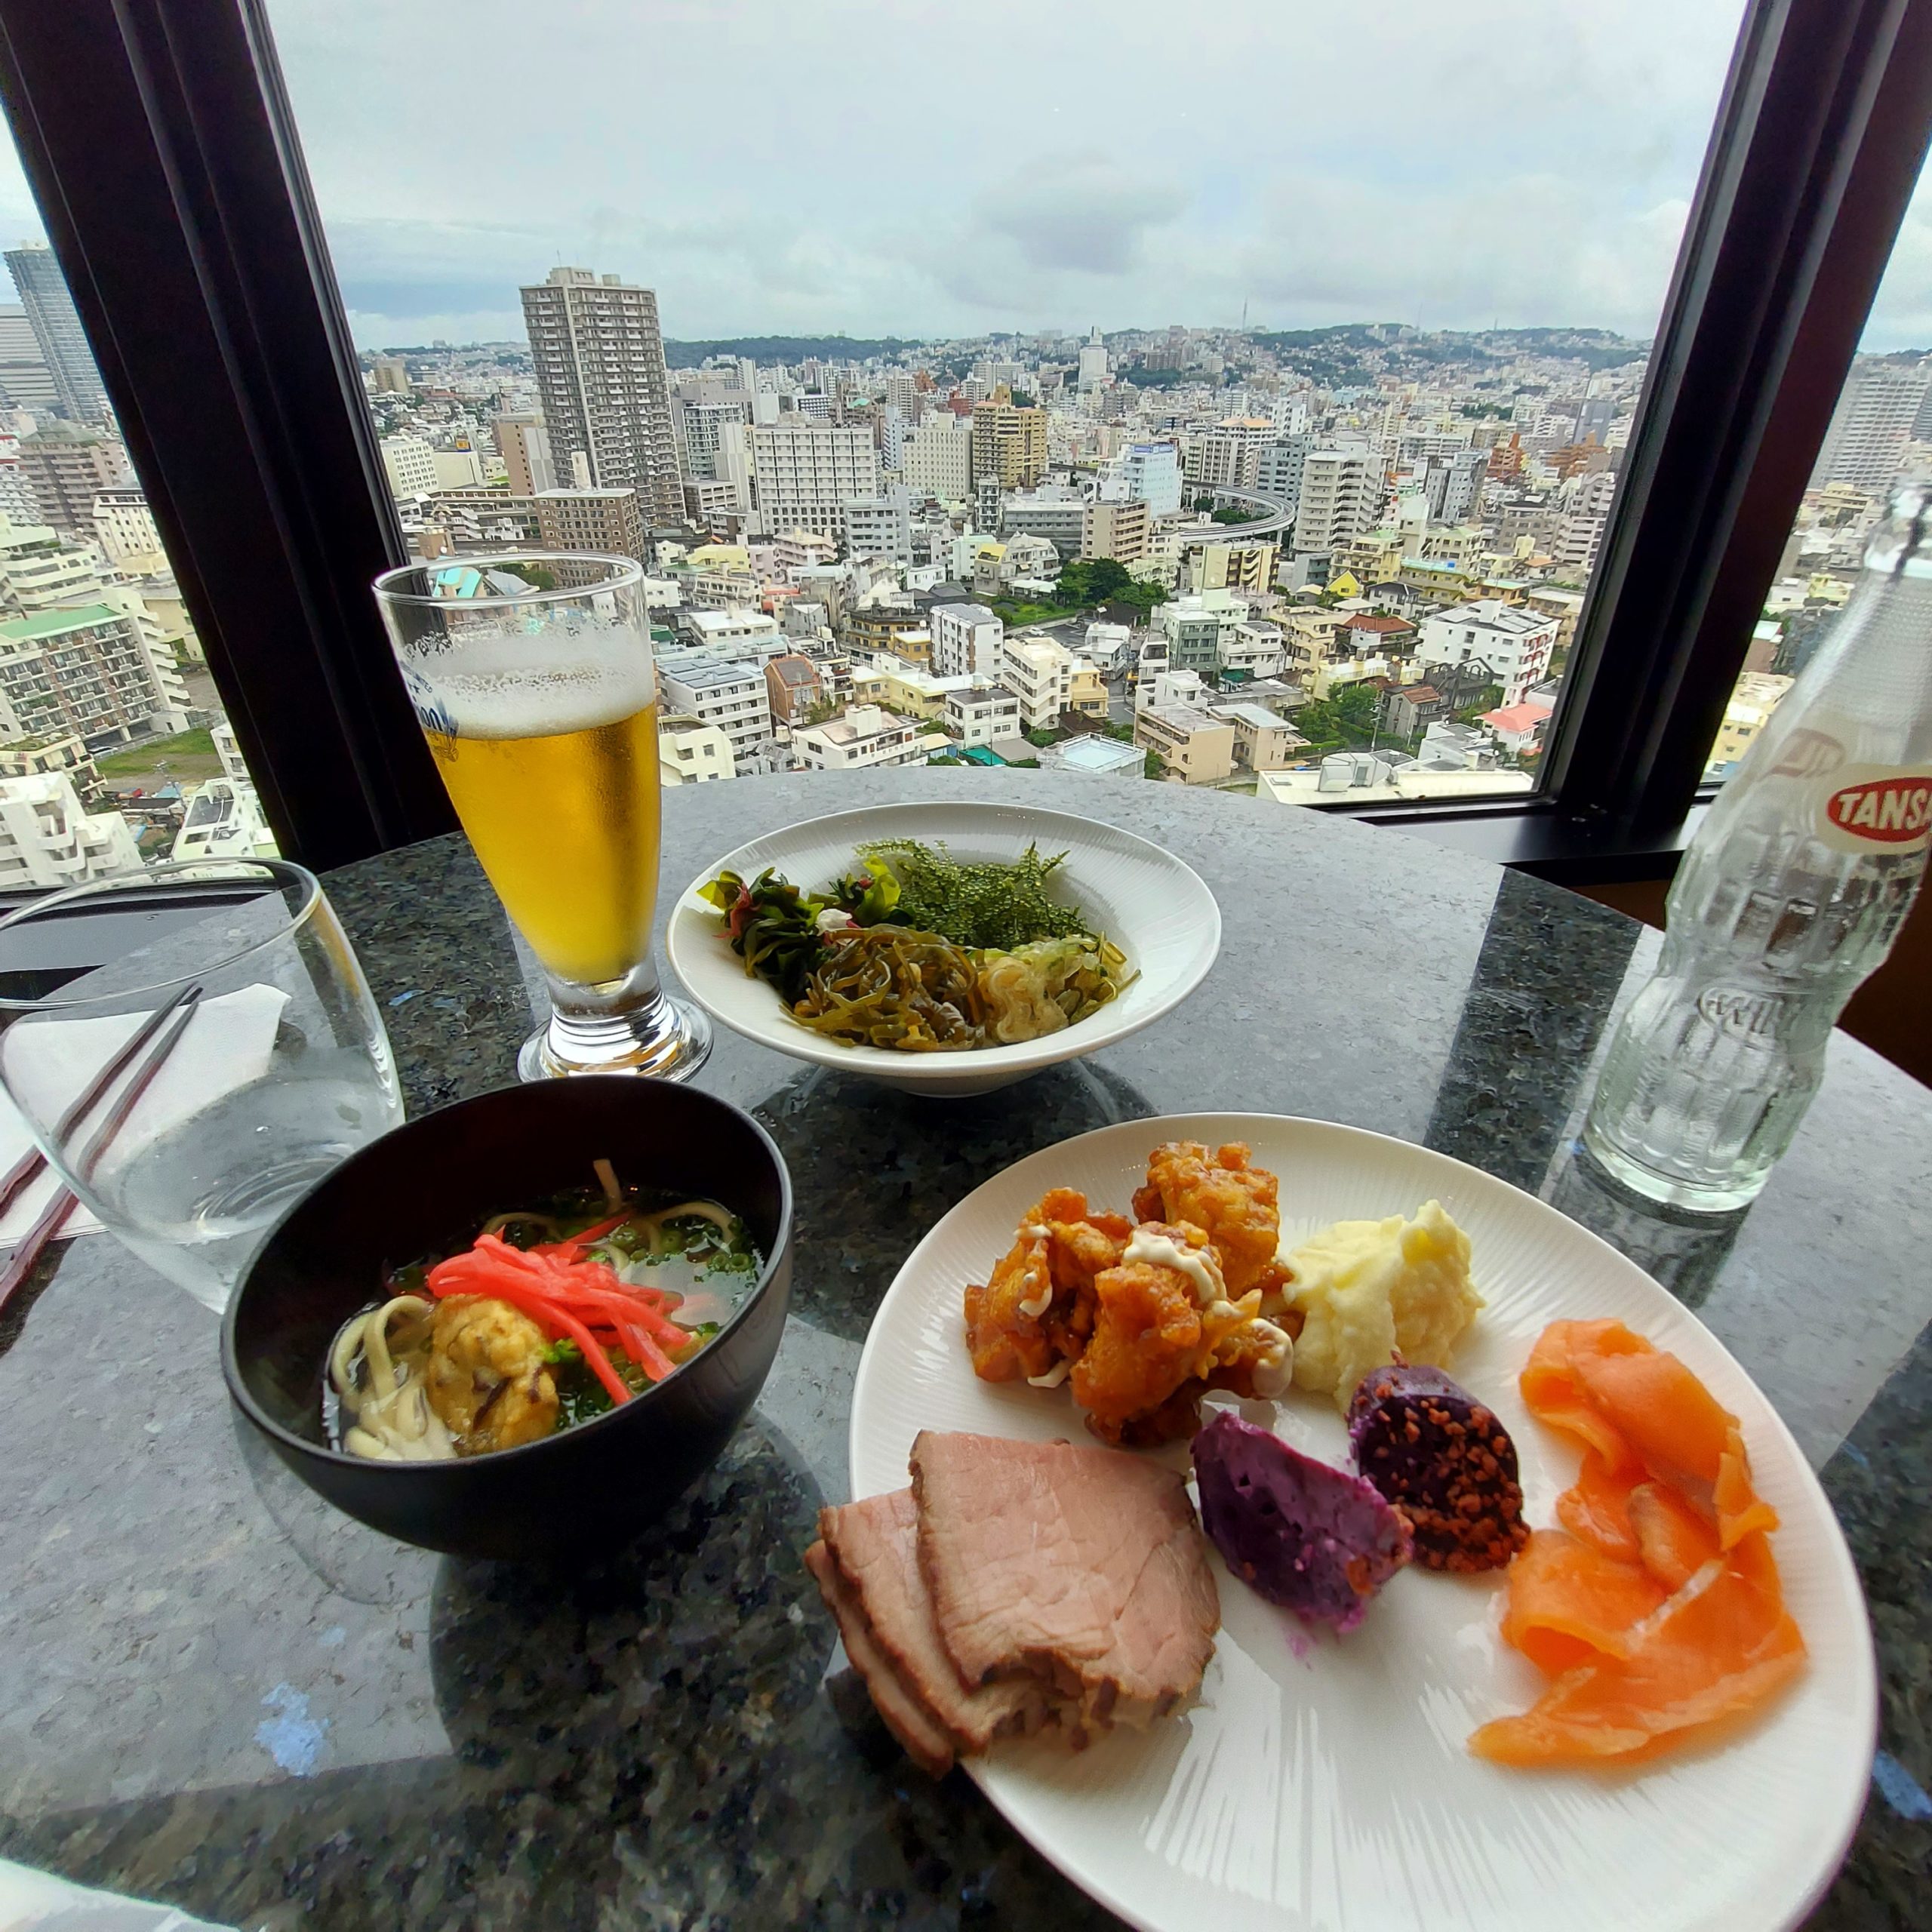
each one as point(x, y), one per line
point(1085, 212)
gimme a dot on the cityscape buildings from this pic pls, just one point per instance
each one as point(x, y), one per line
point(598, 359)
point(78, 393)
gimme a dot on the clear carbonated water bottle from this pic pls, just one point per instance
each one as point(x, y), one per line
point(1791, 892)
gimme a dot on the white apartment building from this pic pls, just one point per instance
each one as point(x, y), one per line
point(732, 695)
point(1340, 496)
point(38, 569)
point(1228, 455)
point(224, 820)
point(410, 464)
point(881, 526)
point(691, 752)
point(1167, 688)
point(865, 737)
point(1257, 651)
point(1151, 473)
point(1579, 539)
point(48, 839)
point(1278, 466)
point(1109, 645)
point(796, 551)
point(982, 713)
point(937, 458)
point(734, 634)
point(966, 641)
point(1039, 673)
point(124, 526)
point(1877, 412)
point(806, 473)
point(94, 671)
point(1515, 643)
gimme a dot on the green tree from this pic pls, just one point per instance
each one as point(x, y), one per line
point(1089, 581)
point(1234, 513)
point(1151, 766)
point(1142, 597)
point(1120, 733)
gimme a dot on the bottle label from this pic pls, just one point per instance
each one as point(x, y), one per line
point(1744, 1013)
point(1874, 809)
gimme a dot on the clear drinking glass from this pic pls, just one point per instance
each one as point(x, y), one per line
point(533, 678)
point(266, 1063)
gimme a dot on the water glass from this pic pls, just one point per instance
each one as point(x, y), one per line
point(266, 1064)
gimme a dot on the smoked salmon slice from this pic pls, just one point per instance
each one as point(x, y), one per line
point(1569, 1602)
point(1656, 1610)
point(1597, 1509)
point(1718, 1647)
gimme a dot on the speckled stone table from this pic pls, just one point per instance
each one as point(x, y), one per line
point(214, 1692)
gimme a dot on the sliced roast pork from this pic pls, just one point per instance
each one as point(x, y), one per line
point(1084, 1568)
point(874, 1544)
point(927, 1742)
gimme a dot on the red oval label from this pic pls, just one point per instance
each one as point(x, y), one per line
point(1888, 811)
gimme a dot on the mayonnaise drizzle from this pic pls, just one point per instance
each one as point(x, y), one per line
point(1053, 1377)
point(1163, 1251)
point(1038, 1304)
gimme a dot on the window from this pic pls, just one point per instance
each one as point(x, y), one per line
point(464, 375)
point(1372, 397)
point(114, 748)
point(1881, 430)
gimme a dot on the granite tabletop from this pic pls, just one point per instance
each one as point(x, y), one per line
point(216, 1693)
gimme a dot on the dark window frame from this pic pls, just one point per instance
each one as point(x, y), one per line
point(159, 140)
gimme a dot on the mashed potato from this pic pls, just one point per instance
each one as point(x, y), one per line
point(1368, 1288)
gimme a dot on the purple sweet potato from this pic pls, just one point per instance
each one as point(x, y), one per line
point(1443, 1459)
point(1310, 1538)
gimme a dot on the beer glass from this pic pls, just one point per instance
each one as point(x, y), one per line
point(532, 677)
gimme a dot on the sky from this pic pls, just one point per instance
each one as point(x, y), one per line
point(905, 167)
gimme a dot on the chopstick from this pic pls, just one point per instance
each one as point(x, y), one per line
point(23, 1172)
point(176, 1016)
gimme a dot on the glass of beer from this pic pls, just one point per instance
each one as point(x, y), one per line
point(532, 676)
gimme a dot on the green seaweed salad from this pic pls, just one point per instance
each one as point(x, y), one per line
point(917, 950)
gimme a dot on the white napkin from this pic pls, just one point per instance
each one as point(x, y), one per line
point(226, 1044)
point(33, 1901)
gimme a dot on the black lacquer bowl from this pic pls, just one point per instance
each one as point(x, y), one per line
point(426, 1187)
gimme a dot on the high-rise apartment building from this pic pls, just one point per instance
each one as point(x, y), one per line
point(806, 473)
point(124, 527)
point(1228, 455)
point(1093, 362)
point(1452, 485)
point(1871, 426)
point(1118, 531)
point(1277, 468)
point(1579, 538)
point(26, 381)
point(599, 355)
point(68, 467)
point(410, 464)
point(93, 671)
point(881, 526)
point(56, 323)
point(966, 641)
point(1340, 498)
point(700, 422)
point(1008, 442)
point(1151, 473)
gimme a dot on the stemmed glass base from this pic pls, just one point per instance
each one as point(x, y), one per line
point(631, 1027)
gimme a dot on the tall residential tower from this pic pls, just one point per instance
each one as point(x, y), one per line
point(56, 323)
point(599, 358)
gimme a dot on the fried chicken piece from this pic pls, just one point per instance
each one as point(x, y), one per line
point(487, 1379)
point(1038, 1309)
point(1147, 1342)
point(1235, 1205)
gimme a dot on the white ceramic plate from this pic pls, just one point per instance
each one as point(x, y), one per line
point(1323, 1782)
point(1157, 910)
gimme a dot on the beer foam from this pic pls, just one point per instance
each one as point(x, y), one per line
point(493, 687)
